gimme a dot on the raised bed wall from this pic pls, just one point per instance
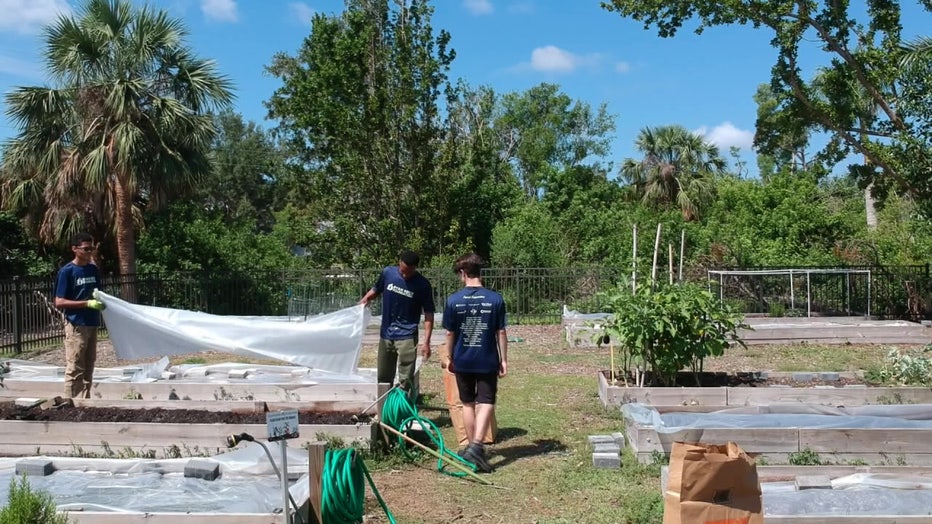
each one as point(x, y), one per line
point(875, 446)
point(26, 438)
point(850, 395)
point(172, 390)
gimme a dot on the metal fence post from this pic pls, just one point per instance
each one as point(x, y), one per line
point(18, 312)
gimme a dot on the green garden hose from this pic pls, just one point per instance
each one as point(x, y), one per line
point(343, 488)
point(399, 413)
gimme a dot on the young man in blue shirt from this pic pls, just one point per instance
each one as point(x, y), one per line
point(74, 293)
point(477, 349)
point(405, 295)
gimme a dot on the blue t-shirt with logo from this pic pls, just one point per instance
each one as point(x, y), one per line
point(475, 315)
point(78, 283)
point(402, 302)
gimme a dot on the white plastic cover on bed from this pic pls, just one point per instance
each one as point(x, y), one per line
point(330, 342)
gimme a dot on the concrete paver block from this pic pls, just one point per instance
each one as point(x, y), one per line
point(813, 482)
point(34, 467)
point(600, 439)
point(606, 447)
point(803, 377)
point(606, 460)
point(202, 469)
point(829, 376)
point(619, 439)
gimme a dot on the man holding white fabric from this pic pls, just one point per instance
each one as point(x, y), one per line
point(74, 293)
point(405, 295)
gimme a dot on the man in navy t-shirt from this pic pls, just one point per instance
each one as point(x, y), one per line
point(477, 349)
point(74, 293)
point(405, 295)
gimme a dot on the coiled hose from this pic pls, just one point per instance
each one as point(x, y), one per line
point(399, 413)
point(343, 488)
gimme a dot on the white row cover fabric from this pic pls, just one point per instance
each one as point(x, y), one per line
point(330, 342)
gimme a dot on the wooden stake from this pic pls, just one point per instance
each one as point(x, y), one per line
point(611, 359)
point(653, 270)
point(455, 464)
point(634, 259)
point(316, 452)
point(682, 244)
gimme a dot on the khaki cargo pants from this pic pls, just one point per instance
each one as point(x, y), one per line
point(400, 354)
point(80, 354)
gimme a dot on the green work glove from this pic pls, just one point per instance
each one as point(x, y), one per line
point(96, 304)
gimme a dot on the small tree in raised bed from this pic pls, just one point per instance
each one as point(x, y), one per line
point(668, 329)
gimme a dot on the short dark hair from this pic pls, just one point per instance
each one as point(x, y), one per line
point(409, 257)
point(79, 238)
point(471, 264)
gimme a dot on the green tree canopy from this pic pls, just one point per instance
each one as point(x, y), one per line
point(862, 54)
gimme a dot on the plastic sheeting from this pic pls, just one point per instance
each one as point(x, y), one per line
point(861, 497)
point(571, 315)
point(247, 484)
point(916, 416)
point(330, 342)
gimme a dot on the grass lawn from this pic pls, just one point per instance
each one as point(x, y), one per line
point(548, 405)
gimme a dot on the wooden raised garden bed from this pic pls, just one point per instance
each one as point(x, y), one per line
point(819, 392)
point(171, 428)
point(877, 446)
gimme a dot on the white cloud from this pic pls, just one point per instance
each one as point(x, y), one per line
point(726, 135)
point(29, 16)
point(220, 10)
point(622, 67)
point(478, 7)
point(301, 12)
point(552, 59)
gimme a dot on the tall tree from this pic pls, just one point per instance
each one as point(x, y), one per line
point(545, 131)
point(677, 168)
point(863, 47)
point(248, 180)
point(125, 124)
point(359, 110)
point(481, 185)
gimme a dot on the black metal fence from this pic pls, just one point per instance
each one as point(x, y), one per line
point(29, 321)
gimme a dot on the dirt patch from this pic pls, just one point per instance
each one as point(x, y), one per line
point(67, 413)
point(715, 379)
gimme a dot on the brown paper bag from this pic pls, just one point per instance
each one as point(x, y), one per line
point(456, 412)
point(712, 484)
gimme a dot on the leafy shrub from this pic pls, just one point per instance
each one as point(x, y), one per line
point(905, 369)
point(28, 506)
point(670, 328)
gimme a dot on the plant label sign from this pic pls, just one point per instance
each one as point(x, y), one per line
point(282, 424)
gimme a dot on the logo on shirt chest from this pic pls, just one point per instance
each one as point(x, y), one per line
point(400, 290)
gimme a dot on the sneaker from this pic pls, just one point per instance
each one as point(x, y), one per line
point(475, 453)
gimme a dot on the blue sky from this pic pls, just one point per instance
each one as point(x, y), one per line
point(705, 83)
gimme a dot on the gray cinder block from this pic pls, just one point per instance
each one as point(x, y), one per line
point(619, 439)
point(606, 447)
point(813, 482)
point(600, 439)
point(202, 469)
point(803, 377)
point(34, 467)
point(830, 376)
point(606, 460)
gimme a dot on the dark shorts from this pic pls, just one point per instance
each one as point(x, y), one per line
point(478, 388)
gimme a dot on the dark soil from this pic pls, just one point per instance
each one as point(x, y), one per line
point(714, 379)
point(67, 413)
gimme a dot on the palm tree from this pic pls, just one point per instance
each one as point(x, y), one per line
point(677, 169)
point(916, 52)
point(126, 124)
